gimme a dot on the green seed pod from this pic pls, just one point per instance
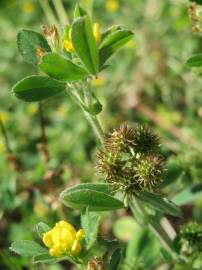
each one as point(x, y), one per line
point(108, 164)
point(145, 141)
point(120, 139)
point(131, 161)
point(149, 170)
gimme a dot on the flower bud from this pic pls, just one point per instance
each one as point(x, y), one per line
point(96, 32)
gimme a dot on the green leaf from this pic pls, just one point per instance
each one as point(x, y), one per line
point(60, 68)
point(90, 223)
point(27, 248)
point(84, 43)
point(28, 42)
point(48, 259)
point(112, 43)
point(110, 30)
point(195, 61)
point(42, 228)
point(79, 11)
point(160, 203)
point(115, 259)
point(101, 187)
point(94, 200)
point(188, 195)
point(37, 88)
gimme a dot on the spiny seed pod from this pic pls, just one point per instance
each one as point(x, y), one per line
point(120, 139)
point(108, 164)
point(131, 161)
point(145, 140)
point(149, 170)
point(191, 237)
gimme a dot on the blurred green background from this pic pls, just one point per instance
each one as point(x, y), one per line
point(147, 82)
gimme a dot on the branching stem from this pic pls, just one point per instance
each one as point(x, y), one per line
point(137, 210)
point(155, 226)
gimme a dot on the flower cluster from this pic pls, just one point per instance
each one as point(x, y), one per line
point(112, 5)
point(63, 238)
point(131, 159)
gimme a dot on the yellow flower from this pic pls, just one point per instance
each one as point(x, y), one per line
point(4, 117)
point(68, 46)
point(100, 81)
point(67, 42)
point(63, 238)
point(131, 44)
point(28, 7)
point(32, 109)
point(96, 32)
point(112, 5)
point(80, 235)
point(76, 248)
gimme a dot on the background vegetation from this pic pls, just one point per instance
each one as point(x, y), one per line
point(146, 83)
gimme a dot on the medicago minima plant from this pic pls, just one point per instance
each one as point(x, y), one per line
point(129, 160)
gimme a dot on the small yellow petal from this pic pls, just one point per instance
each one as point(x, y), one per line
point(67, 225)
point(68, 46)
point(28, 7)
point(67, 238)
point(112, 5)
point(100, 81)
point(32, 108)
point(56, 235)
point(47, 239)
point(56, 251)
point(96, 32)
point(76, 248)
point(4, 117)
point(80, 235)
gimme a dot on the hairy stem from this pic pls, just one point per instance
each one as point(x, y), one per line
point(156, 227)
point(138, 211)
point(92, 119)
point(48, 12)
point(62, 16)
point(94, 122)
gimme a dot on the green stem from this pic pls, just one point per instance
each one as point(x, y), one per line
point(62, 16)
point(138, 211)
point(153, 225)
point(94, 122)
point(48, 12)
point(92, 119)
